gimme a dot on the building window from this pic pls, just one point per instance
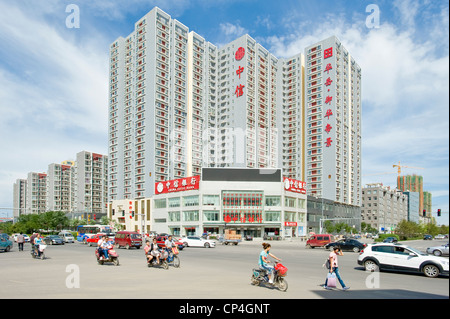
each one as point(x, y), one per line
point(160, 203)
point(191, 216)
point(174, 202)
point(211, 215)
point(273, 216)
point(289, 216)
point(289, 202)
point(273, 200)
point(174, 216)
point(211, 200)
point(190, 200)
point(302, 203)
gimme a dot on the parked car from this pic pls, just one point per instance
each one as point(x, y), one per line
point(53, 240)
point(160, 240)
point(438, 250)
point(128, 239)
point(319, 240)
point(67, 237)
point(440, 236)
point(390, 240)
point(196, 241)
point(427, 237)
point(5, 243)
point(348, 244)
point(387, 256)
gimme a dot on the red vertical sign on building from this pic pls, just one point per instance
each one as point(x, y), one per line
point(239, 55)
point(328, 53)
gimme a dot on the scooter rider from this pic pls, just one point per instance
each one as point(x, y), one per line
point(170, 243)
point(264, 261)
point(37, 242)
point(105, 246)
point(154, 251)
point(99, 247)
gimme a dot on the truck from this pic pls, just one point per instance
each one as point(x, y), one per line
point(230, 237)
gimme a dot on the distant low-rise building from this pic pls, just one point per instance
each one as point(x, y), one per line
point(383, 207)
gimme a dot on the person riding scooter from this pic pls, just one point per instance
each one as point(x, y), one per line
point(38, 241)
point(154, 251)
point(105, 246)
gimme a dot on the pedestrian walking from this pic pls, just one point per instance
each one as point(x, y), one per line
point(20, 241)
point(334, 267)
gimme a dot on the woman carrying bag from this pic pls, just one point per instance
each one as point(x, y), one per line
point(330, 282)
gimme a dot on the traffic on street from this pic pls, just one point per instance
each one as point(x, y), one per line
point(217, 270)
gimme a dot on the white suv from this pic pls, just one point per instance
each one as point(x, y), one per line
point(401, 257)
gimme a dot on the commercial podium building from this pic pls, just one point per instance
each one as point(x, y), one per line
point(250, 201)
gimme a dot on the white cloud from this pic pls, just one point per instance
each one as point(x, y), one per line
point(53, 94)
point(233, 30)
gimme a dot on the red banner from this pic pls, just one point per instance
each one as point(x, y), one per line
point(290, 224)
point(293, 185)
point(178, 185)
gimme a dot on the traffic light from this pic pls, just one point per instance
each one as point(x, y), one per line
point(95, 217)
point(439, 212)
point(424, 213)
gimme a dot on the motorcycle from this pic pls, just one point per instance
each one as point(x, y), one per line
point(162, 261)
point(35, 254)
point(113, 257)
point(173, 257)
point(279, 272)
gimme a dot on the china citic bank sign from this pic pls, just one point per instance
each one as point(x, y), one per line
point(178, 185)
point(293, 185)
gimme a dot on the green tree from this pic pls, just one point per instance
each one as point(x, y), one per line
point(329, 227)
point(408, 229)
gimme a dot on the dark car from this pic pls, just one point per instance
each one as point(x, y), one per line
point(53, 240)
point(427, 237)
point(347, 244)
point(390, 240)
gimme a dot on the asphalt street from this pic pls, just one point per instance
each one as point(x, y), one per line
point(71, 272)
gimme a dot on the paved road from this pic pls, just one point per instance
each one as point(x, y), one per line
point(215, 273)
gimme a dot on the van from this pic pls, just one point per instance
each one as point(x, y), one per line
point(319, 240)
point(128, 239)
point(67, 236)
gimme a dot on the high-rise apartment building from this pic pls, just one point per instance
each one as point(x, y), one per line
point(90, 186)
point(178, 103)
point(333, 122)
point(412, 183)
point(79, 186)
point(36, 198)
point(59, 187)
point(19, 197)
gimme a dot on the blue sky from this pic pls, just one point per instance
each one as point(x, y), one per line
point(54, 80)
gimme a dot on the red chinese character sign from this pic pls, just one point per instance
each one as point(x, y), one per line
point(239, 71)
point(177, 185)
point(239, 90)
point(328, 53)
point(239, 54)
point(293, 185)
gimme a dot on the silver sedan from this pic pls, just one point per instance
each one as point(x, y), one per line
point(438, 250)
